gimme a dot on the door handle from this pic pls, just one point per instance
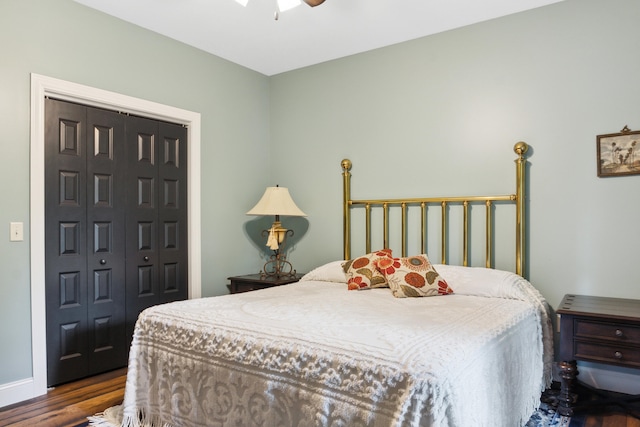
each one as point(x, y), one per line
point(103, 261)
point(146, 259)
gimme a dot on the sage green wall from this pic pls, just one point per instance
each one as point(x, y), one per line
point(440, 115)
point(555, 77)
point(65, 40)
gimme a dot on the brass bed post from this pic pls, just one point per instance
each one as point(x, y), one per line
point(404, 229)
point(385, 225)
point(520, 149)
point(367, 227)
point(346, 212)
point(443, 233)
point(423, 227)
point(465, 234)
point(488, 230)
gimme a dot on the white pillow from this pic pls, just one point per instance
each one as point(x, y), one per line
point(330, 272)
point(487, 282)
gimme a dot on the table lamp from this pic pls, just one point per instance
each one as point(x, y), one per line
point(277, 201)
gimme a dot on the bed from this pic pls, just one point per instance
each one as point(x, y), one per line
point(476, 351)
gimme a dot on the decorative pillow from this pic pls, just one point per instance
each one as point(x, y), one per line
point(361, 272)
point(329, 272)
point(412, 277)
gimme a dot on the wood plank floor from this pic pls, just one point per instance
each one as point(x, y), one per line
point(612, 416)
point(611, 420)
point(70, 404)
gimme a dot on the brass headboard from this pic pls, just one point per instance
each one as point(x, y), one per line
point(518, 199)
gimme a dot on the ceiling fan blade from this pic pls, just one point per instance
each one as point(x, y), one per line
point(314, 3)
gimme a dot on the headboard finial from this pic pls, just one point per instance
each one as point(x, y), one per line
point(521, 148)
point(346, 165)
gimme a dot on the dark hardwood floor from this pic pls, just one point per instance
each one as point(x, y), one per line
point(70, 404)
point(611, 420)
point(600, 415)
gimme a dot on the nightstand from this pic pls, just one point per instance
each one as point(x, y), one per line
point(252, 282)
point(596, 329)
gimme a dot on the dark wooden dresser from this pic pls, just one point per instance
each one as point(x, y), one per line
point(252, 282)
point(595, 329)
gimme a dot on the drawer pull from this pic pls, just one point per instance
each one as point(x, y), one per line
point(618, 355)
point(619, 333)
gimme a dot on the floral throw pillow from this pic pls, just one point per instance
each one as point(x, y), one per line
point(361, 272)
point(413, 277)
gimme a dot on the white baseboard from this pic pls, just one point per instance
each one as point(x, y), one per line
point(613, 378)
point(17, 391)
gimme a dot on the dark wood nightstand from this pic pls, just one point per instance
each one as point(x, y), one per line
point(596, 329)
point(251, 282)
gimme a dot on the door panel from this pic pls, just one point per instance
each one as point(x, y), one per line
point(172, 212)
point(106, 240)
point(142, 218)
point(65, 241)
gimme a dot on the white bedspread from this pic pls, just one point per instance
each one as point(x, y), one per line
point(314, 354)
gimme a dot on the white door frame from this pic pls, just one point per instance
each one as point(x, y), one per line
point(42, 86)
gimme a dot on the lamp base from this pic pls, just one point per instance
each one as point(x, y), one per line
point(277, 267)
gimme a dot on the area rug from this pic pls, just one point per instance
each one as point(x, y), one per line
point(111, 417)
point(545, 416)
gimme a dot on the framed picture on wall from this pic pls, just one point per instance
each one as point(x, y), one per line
point(619, 153)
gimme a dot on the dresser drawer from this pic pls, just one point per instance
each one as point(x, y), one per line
point(607, 353)
point(608, 331)
point(595, 329)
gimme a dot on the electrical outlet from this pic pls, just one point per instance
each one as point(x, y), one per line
point(17, 232)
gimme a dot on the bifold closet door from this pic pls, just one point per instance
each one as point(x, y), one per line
point(156, 215)
point(84, 241)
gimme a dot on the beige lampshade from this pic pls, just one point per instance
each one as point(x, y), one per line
point(276, 201)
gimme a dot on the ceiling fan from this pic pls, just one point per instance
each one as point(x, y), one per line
point(287, 4)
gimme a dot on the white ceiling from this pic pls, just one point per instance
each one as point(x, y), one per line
point(302, 36)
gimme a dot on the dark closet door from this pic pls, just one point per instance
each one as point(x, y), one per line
point(106, 204)
point(156, 215)
point(172, 212)
point(84, 235)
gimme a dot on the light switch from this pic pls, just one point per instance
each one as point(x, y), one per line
point(17, 232)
